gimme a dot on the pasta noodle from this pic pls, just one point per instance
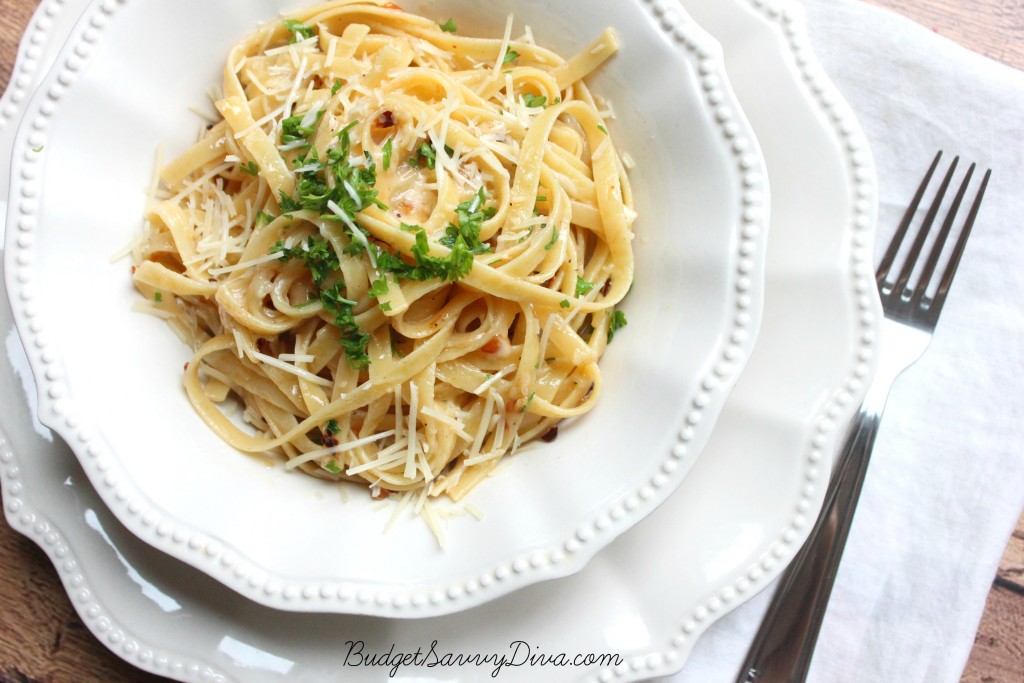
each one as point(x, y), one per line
point(398, 249)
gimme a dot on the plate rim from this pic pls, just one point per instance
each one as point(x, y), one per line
point(788, 19)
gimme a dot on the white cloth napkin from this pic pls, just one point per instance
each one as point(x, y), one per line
point(946, 483)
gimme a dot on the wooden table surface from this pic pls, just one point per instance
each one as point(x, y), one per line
point(42, 640)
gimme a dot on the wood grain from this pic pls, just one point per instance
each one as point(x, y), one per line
point(1011, 570)
point(991, 27)
point(998, 653)
point(42, 640)
point(14, 16)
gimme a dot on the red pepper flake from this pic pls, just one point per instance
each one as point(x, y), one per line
point(550, 435)
point(493, 346)
point(385, 120)
point(379, 494)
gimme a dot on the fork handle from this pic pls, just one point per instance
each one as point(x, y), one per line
point(782, 650)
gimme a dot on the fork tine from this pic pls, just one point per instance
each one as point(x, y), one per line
point(940, 241)
point(901, 231)
point(935, 305)
point(900, 285)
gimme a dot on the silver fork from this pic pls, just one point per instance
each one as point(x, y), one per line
point(782, 650)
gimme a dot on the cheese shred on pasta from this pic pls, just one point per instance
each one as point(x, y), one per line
point(399, 248)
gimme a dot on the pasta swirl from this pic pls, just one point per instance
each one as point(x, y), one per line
point(399, 249)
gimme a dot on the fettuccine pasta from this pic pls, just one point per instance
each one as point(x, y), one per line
point(397, 249)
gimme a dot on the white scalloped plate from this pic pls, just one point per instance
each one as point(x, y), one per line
point(45, 33)
point(109, 380)
point(650, 594)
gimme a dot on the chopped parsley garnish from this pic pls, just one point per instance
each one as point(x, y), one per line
point(322, 262)
point(317, 253)
point(298, 30)
point(313, 193)
point(583, 287)
point(602, 129)
point(529, 400)
point(396, 342)
point(298, 128)
point(427, 155)
point(252, 168)
point(336, 87)
point(554, 238)
point(565, 303)
point(338, 187)
point(453, 267)
point(332, 427)
point(618, 321)
point(332, 467)
point(414, 160)
point(449, 26)
point(334, 186)
point(158, 297)
point(532, 101)
point(469, 216)
point(379, 288)
point(510, 56)
point(38, 149)
point(308, 162)
point(264, 218)
point(353, 339)
point(288, 205)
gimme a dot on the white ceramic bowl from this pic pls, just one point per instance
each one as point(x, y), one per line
point(110, 380)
